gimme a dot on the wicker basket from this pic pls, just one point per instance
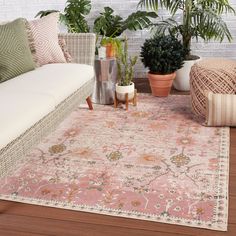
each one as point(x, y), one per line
point(216, 75)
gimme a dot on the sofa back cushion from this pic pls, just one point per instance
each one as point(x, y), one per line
point(15, 54)
point(45, 35)
point(221, 109)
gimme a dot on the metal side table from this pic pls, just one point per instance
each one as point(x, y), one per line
point(106, 77)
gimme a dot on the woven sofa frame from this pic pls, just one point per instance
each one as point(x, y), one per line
point(82, 49)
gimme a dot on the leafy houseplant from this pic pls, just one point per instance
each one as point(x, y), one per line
point(163, 56)
point(125, 72)
point(74, 15)
point(109, 26)
point(199, 19)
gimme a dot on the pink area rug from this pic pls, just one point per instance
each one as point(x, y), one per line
point(154, 162)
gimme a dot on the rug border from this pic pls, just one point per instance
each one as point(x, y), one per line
point(224, 156)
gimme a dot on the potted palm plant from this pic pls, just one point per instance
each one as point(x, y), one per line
point(163, 56)
point(199, 19)
point(125, 73)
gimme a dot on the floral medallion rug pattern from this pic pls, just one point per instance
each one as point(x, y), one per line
point(154, 162)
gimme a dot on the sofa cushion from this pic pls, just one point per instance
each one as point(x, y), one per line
point(21, 111)
point(45, 35)
point(58, 81)
point(15, 54)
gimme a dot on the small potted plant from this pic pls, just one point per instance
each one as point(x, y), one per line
point(112, 46)
point(125, 73)
point(163, 55)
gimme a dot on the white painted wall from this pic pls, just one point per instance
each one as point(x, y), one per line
point(11, 9)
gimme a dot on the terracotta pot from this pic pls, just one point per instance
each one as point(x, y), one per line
point(110, 50)
point(161, 84)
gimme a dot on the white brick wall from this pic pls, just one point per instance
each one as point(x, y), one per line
point(11, 9)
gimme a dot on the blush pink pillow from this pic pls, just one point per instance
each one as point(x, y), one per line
point(45, 36)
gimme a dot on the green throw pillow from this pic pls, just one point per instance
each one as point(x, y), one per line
point(15, 54)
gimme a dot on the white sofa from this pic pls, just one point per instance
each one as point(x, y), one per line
point(34, 103)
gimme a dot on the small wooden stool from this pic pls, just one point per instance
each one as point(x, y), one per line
point(127, 100)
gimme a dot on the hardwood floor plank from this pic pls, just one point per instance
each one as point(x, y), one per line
point(232, 210)
point(17, 233)
point(232, 186)
point(60, 228)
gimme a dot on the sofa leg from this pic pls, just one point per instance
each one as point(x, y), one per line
point(89, 102)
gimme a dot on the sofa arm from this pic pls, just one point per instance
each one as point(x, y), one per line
point(81, 47)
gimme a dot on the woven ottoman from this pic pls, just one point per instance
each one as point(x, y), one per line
point(216, 75)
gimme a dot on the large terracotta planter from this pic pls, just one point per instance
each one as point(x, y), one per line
point(161, 84)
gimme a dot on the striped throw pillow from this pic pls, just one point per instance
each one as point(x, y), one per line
point(45, 35)
point(221, 109)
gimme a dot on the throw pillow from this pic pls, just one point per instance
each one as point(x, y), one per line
point(15, 54)
point(64, 48)
point(30, 39)
point(31, 43)
point(221, 109)
point(45, 35)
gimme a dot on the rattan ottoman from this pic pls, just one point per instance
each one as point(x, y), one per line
point(216, 75)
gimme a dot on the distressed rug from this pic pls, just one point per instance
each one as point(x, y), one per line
point(154, 162)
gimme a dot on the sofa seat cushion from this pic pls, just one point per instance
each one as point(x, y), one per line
point(56, 80)
point(20, 111)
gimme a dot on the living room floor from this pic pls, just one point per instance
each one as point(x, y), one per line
point(18, 219)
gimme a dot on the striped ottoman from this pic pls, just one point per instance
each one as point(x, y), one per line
point(215, 75)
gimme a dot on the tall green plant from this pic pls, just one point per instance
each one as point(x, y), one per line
point(75, 13)
point(110, 25)
point(125, 65)
point(199, 18)
point(74, 16)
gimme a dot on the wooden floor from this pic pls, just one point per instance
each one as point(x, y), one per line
point(26, 220)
